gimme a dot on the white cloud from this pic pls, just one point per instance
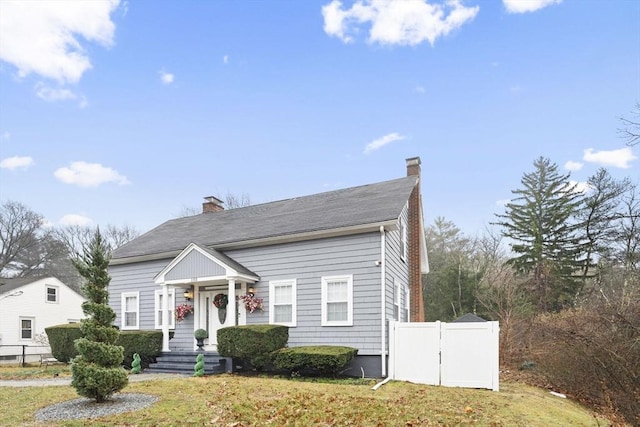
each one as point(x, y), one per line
point(573, 166)
point(381, 142)
point(166, 78)
point(225, 59)
point(524, 6)
point(5, 136)
point(16, 162)
point(86, 174)
point(420, 89)
point(41, 37)
point(75, 219)
point(50, 94)
point(396, 22)
point(616, 158)
point(579, 186)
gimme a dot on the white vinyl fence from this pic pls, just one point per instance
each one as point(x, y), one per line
point(448, 354)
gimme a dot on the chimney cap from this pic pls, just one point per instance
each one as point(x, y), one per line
point(214, 200)
point(413, 161)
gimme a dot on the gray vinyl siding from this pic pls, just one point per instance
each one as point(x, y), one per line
point(396, 268)
point(138, 277)
point(195, 264)
point(308, 262)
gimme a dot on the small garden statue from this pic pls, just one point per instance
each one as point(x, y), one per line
point(198, 369)
point(135, 365)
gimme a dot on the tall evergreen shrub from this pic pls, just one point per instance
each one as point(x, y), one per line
point(97, 371)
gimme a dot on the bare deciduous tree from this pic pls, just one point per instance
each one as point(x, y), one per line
point(20, 234)
point(631, 127)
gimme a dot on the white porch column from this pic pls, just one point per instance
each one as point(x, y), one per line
point(165, 318)
point(231, 307)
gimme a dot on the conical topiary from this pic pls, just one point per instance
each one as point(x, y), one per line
point(97, 371)
point(199, 367)
point(135, 365)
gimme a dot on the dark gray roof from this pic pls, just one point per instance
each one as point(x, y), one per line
point(367, 204)
point(8, 285)
point(469, 318)
point(230, 262)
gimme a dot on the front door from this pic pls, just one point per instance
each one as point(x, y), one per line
point(213, 318)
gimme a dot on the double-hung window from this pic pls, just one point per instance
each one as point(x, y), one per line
point(396, 300)
point(161, 308)
point(402, 226)
point(52, 294)
point(130, 305)
point(404, 303)
point(27, 324)
point(282, 302)
point(337, 300)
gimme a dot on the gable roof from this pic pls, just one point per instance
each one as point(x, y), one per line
point(365, 205)
point(11, 284)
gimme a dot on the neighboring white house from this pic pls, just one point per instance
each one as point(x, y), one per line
point(27, 307)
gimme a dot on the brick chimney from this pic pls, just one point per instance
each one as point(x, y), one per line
point(414, 257)
point(212, 204)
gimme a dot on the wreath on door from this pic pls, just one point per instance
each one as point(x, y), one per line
point(221, 301)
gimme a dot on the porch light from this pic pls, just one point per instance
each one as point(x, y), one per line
point(251, 291)
point(188, 294)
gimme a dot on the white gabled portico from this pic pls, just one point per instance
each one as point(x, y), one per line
point(204, 269)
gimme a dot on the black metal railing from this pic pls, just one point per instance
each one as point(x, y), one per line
point(21, 353)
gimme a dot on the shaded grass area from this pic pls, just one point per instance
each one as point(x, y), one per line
point(255, 401)
point(34, 371)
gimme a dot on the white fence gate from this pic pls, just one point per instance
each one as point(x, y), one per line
point(448, 354)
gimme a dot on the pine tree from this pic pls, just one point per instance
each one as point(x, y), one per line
point(97, 371)
point(541, 224)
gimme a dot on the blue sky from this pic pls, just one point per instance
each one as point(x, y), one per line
point(130, 112)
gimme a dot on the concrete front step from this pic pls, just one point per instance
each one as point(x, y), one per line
point(182, 362)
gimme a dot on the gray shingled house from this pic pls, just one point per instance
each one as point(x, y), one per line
point(334, 267)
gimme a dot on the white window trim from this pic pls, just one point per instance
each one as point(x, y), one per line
point(171, 293)
point(272, 286)
point(33, 327)
point(123, 304)
point(404, 302)
point(402, 227)
point(397, 298)
point(349, 279)
point(46, 294)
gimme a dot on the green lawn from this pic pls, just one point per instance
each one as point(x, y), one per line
point(232, 400)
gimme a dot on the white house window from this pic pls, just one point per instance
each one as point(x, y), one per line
point(52, 294)
point(403, 238)
point(27, 325)
point(130, 304)
point(404, 302)
point(396, 300)
point(282, 302)
point(161, 310)
point(337, 301)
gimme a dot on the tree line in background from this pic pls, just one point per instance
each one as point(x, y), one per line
point(554, 247)
point(560, 271)
point(30, 247)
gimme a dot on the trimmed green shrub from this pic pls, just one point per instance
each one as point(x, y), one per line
point(147, 343)
point(198, 369)
point(61, 338)
point(324, 359)
point(96, 370)
point(201, 334)
point(252, 343)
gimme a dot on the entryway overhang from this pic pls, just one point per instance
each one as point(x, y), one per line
point(198, 265)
